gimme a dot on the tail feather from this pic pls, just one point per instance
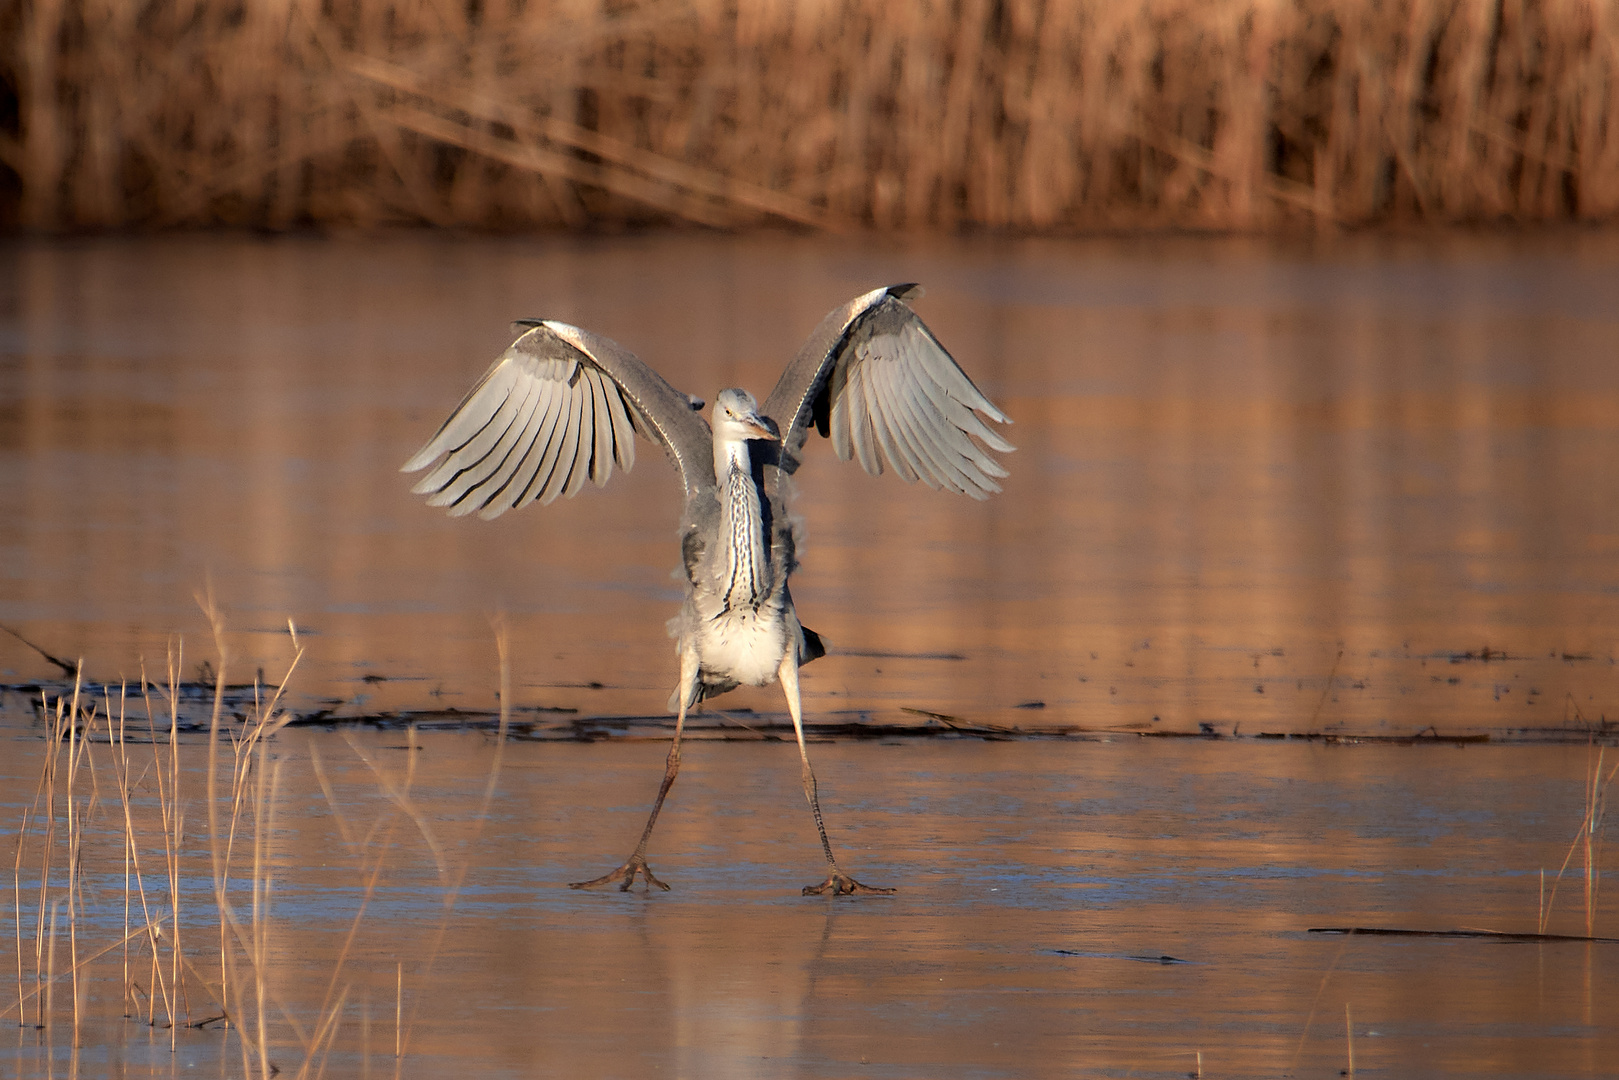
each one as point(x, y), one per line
point(812, 647)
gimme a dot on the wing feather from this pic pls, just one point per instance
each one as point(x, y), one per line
point(463, 423)
point(551, 437)
point(865, 432)
point(910, 413)
point(501, 471)
point(601, 455)
point(560, 405)
point(472, 437)
point(883, 406)
point(510, 493)
point(962, 465)
point(881, 423)
point(487, 452)
point(581, 442)
point(623, 429)
point(889, 395)
point(841, 423)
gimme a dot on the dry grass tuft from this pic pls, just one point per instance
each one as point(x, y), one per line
point(1023, 114)
point(188, 958)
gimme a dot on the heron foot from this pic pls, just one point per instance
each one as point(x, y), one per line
point(623, 877)
point(841, 884)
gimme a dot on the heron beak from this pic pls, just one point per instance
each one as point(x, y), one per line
point(759, 427)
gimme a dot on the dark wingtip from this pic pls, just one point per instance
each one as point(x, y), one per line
point(910, 290)
point(526, 324)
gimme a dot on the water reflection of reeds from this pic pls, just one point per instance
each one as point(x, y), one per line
point(1022, 114)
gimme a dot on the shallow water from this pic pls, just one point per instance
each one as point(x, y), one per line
point(1262, 487)
point(1101, 908)
point(1359, 489)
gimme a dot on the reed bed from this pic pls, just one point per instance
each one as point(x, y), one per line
point(1023, 115)
point(111, 777)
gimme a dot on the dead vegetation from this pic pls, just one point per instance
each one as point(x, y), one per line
point(847, 114)
point(114, 884)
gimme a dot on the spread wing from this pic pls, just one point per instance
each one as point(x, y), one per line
point(561, 404)
point(874, 379)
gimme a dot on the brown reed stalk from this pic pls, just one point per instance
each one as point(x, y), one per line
point(64, 724)
point(47, 1000)
point(249, 761)
point(264, 722)
point(114, 747)
point(1349, 1038)
point(74, 850)
point(263, 826)
point(155, 980)
point(333, 1002)
point(30, 813)
point(16, 877)
point(172, 843)
point(50, 767)
point(119, 752)
point(324, 1035)
point(219, 860)
point(1595, 806)
point(503, 652)
point(1587, 841)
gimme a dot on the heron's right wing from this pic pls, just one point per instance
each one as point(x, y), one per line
point(561, 404)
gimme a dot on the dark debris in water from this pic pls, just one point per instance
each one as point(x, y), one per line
point(1487, 935)
point(1164, 959)
point(1484, 655)
point(194, 701)
point(1426, 735)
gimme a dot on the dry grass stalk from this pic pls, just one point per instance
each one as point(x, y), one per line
point(1026, 114)
point(1349, 1038)
point(453, 892)
point(1588, 843)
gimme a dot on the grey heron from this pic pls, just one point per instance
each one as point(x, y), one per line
point(563, 404)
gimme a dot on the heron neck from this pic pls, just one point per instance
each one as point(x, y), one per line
point(747, 558)
point(731, 454)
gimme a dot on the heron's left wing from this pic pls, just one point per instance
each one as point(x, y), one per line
point(874, 379)
point(560, 405)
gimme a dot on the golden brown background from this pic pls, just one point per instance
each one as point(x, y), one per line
point(835, 114)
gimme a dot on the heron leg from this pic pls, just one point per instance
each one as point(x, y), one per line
point(624, 876)
point(837, 882)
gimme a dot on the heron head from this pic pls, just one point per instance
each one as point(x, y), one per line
point(736, 418)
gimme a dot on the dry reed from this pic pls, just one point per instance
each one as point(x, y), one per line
point(241, 800)
point(1019, 114)
point(1587, 843)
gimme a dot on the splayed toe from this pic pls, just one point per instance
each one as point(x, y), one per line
point(623, 877)
point(844, 885)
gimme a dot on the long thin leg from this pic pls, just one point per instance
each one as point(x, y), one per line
point(837, 882)
point(624, 876)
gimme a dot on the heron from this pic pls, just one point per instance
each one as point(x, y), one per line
point(563, 404)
